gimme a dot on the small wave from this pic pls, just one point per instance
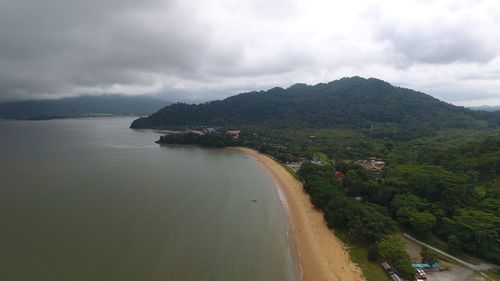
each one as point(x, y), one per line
point(127, 146)
point(282, 197)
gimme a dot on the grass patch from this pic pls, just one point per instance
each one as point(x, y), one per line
point(495, 275)
point(359, 255)
point(290, 170)
point(443, 246)
point(372, 271)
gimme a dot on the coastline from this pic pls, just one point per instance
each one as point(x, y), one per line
point(322, 256)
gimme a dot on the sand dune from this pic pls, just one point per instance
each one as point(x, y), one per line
point(322, 255)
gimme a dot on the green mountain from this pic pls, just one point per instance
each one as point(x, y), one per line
point(489, 108)
point(81, 106)
point(351, 103)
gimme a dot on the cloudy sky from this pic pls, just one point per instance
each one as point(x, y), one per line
point(198, 50)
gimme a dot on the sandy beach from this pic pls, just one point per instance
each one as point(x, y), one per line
point(322, 255)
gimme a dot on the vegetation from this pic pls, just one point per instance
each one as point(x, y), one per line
point(461, 208)
point(391, 249)
point(363, 222)
point(80, 107)
point(361, 254)
point(208, 140)
point(442, 172)
point(428, 256)
point(485, 108)
point(370, 106)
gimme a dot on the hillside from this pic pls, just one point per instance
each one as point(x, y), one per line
point(488, 108)
point(81, 106)
point(439, 171)
point(352, 103)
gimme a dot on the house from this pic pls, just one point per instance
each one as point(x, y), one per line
point(374, 165)
point(234, 133)
point(209, 131)
point(339, 175)
point(317, 162)
point(294, 165)
point(195, 131)
point(303, 159)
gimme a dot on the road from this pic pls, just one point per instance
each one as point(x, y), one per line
point(482, 266)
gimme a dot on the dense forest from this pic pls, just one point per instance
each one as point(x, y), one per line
point(441, 180)
point(485, 108)
point(207, 140)
point(80, 107)
point(456, 197)
point(365, 105)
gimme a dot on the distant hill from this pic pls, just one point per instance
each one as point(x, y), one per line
point(81, 106)
point(354, 103)
point(488, 108)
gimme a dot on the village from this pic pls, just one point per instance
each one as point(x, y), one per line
point(203, 130)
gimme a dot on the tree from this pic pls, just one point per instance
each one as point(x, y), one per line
point(392, 249)
point(422, 222)
point(428, 256)
point(409, 201)
point(370, 222)
point(478, 232)
point(411, 211)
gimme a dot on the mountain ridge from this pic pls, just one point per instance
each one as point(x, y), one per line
point(488, 108)
point(81, 106)
point(355, 103)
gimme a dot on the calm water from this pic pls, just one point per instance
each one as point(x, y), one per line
point(90, 199)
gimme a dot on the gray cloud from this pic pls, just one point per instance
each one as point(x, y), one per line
point(439, 43)
point(53, 46)
point(199, 50)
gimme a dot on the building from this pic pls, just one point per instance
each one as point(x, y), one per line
point(295, 165)
point(374, 165)
point(339, 175)
point(234, 133)
point(209, 131)
point(317, 162)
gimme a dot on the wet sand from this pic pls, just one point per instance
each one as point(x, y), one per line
point(322, 255)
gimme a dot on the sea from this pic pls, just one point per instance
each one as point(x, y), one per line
point(92, 200)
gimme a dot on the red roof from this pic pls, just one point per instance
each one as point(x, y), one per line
point(339, 175)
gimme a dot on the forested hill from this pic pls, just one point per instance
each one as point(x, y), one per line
point(354, 103)
point(486, 108)
point(81, 106)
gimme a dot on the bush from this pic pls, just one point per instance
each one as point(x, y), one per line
point(392, 249)
point(428, 256)
point(373, 253)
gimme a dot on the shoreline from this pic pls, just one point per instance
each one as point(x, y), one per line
point(322, 256)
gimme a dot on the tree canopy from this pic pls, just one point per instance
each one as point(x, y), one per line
point(369, 105)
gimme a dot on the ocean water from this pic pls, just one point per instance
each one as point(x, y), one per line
point(91, 199)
